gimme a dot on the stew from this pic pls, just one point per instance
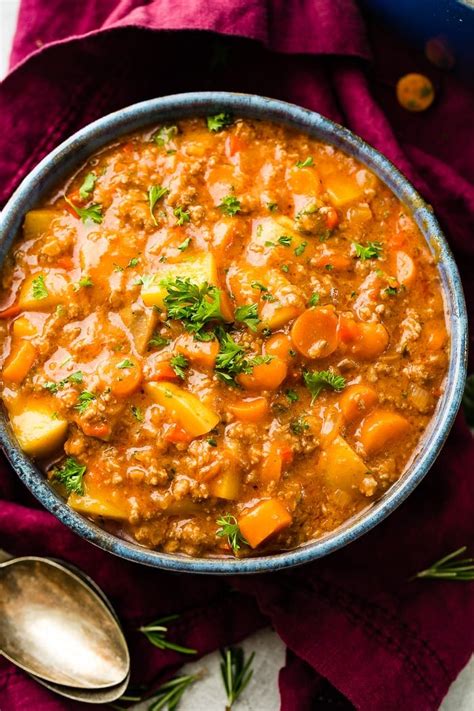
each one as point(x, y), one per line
point(221, 337)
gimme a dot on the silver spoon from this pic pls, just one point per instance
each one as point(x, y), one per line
point(54, 626)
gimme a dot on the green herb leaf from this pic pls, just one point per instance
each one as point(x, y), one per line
point(313, 299)
point(84, 400)
point(316, 380)
point(219, 121)
point(248, 315)
point(230, 205)
point(272, 206)
point(229, 528)
point(133, 263)
point(231, 359)
point(451, 567)
point(165, 134)
point(192, 304)
point(170, 693)
point(391, 291)
point(180, 364)
point(185, 244)
point(71, 474)
point(39, 288)
point(126, 363)
point(83, 281)
point(372, 250)
point(181, 215)
point(156, 632)
point(285, 240)
point(306, 163)
point(292, 395)
point(88, 186)
point(155, 193)
point(258, 285)
point(299, 425)
point(300, 249)
point(236, 673)
point(93, 212)
point(137, 413)
point(285, 268)
point(157, 341)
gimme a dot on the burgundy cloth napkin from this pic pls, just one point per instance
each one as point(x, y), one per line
point(358, 631)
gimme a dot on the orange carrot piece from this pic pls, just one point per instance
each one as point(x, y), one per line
point(356, 400)
point(101, 431)
point(382, 428)
point(333, 261)
point(122, 375)
point(266, 519)
point(22, 328)
point(275, 458)
point(10, 311)
point(160, 370)
point(304, 181)
point(65, 263)
point(203, 353)
point(176, 434)
point(332, 218)
point(371, 341)
point(266, 376)
point(347, 330)
point(19, 362)
point(279, 345)
point(314, 333)
point(251, 410)
point(233, 144)
point(405, 268)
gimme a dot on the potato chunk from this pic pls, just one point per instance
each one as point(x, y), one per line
point(266, 245)
point(183, 407)
point(37, 222)
point(341, 466)
point(94, 506)
point(43, 291)
point(227, 485)
point(38, 431)
point(201, 269)
point(343, 189)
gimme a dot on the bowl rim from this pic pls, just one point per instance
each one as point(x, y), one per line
point(73, 151)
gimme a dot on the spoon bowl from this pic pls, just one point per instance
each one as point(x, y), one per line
point(54, 626)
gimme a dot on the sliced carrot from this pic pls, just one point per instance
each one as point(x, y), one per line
point(101, 431)
point(10, 311)
point(266, 376)
point(202, 353)
point(279, 345)
point(65, 263)
point(69, 208)
point(277, 455)
point(122, 375)
point(314, 333)
point(347, 329)
point(19, 362)
point(176, 434)
point(266, 519)
point(160, 370)
point(334, 262)
point(382, 428)
point(371, 341)
point(405, 268)
point(356, 401)
point(250, 410)
point(304, 181)
point(332, 218)
point(22, 327)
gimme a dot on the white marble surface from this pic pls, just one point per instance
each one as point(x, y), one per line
point(262, 692)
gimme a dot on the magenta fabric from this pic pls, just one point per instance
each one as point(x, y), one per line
point(358, 631)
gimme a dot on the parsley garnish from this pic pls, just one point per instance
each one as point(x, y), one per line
point(88, 186)
point(185, 244)
point(306, 163)
point(285, 268)
point(248, 315)
point(219, 121)
point(39, 288)
point(53, 387)
point(192, 304)
point(316, 380)
point(165, 134)
point(126, 363)
point(313, 299)
point(93, 212)
point(211, 442)
point(229, 528)
point(133, 263)
point(285, 240)
point(230, 205)
point(155, 193)
point(272, 206)
point(371, 251)
point(231, 360)
point(157, 341)
point(137, 413)
point(258, 285)
point(83, 281)
point(84, 400)
point(181, 215)
point(292, 395)
point(179, 363)
point(299, 425)
point(391, 291)
point(71, 476)
point(329, 267)
point(300, 249)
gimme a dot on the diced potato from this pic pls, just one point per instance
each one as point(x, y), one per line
point(183, 407)
point(55, 291)
point(226, 485)
point(141, 323)
point(343, 189)
point(37, 222)
point(38, 431)
point(264, 247)
point(340, 465)
point(23, 327)
point(275, 315)
point(202, 268)
point(93, 506)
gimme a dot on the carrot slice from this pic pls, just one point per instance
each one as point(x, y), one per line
point(65, 263)
point(382, 428)
point(275, 458)
point(176, 434)
point(251, 410)
point(122, 375)
point(356, 400)
point(101, 431)
point(266, 519)
point(160, 370)
point(10, 311)
point(332, 218)
point(266, 376)
point(371, 341)
point(347, 330)
point(19, 362)
point(279, 345)
point(314, 333)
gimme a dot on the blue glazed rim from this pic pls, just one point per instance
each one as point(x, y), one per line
point(61, 162)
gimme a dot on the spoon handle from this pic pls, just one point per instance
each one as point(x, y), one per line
point(4, 556)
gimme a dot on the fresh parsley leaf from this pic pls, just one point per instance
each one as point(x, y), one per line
point(313, 299)
point(88, 186)
point(299, 425)
point(391, 291)
point(372, 250)
point(292, 395)
point(248, 315)
point(133, 263)
point(76, 377)
point(300, 249)
point(229, 528)
point(155, 193)
point(211, 442)
point(285, 240)
point(285, 268)
point(83, 281)
point(272, 206)
point(39, 288)
point(126, 363)
point(329, 267)
point(185, 244)
point(258, 285)
point(181, 215)
point(230, 205)
point(219, 121)
point(137, 413)
point(157, 341)
point(84, 400)
point(231, 359)
point(179, 363)
point(165, 134)
point(71, 476)
point(195, 305)
point(306, 163)
point(93, 212)
point(268, 297)
point(316, 380)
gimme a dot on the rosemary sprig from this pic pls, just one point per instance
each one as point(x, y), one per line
point(451, 567)
point(156, 631)
point(236, 672)
point(169, 694)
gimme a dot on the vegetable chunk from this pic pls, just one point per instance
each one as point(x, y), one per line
point(183, 407)
point(266, 519)
point(38, 429)
point(340, 465)
point(37, 222)
point(382, 428)
point(201, 269)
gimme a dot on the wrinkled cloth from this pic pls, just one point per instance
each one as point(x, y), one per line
point(359, 631)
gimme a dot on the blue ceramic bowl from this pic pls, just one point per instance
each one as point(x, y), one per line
point(59, 164)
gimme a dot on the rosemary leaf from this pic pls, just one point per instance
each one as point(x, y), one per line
point(451, 567)
point(156, 632)
point(236, 672)
point(169, 694)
